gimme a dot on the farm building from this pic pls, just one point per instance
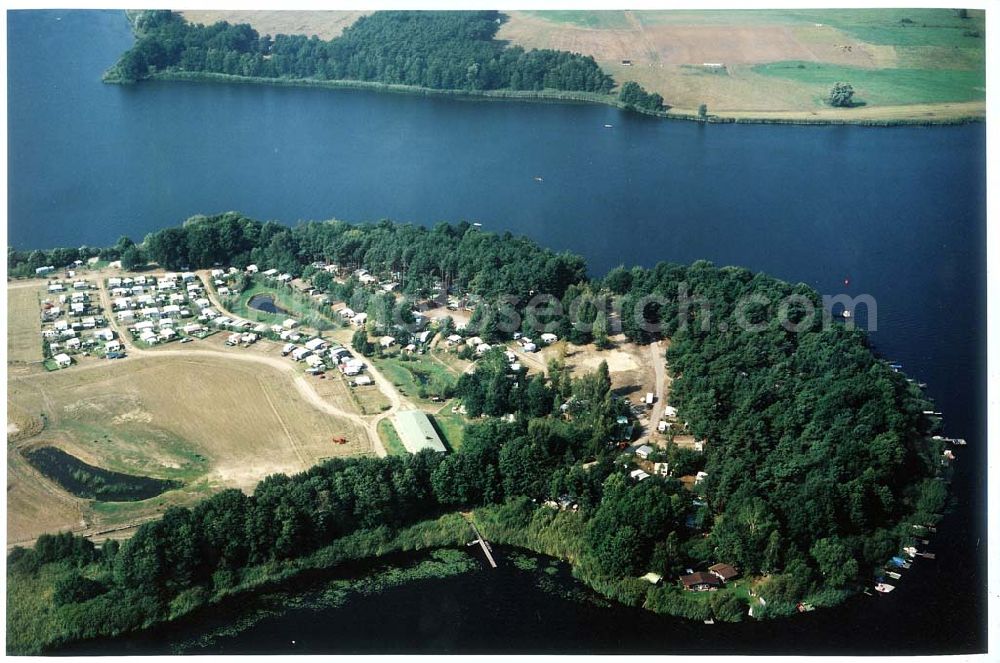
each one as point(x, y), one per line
point(416, 432)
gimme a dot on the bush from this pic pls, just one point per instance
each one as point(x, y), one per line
point(76, 589)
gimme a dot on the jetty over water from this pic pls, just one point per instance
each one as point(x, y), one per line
point(483, 543)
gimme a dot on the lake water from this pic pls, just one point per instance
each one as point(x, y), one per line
point(900, 212)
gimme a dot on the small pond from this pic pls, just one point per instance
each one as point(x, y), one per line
point(266, 303)
point(91, 482)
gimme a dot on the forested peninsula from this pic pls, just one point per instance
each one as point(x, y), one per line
point(818, 459)
point(439, 52)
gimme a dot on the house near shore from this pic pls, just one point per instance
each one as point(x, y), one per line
point(701, 581)
point(416, 432)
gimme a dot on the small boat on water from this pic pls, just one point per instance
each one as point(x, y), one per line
point(927, 555)
point(894, 575)
point(477, 224)
point(805, 607)
point(884, 588)
point(538, 179)
point(922, 385)
point(710, 621)
point(609, 126)
point(910, 550)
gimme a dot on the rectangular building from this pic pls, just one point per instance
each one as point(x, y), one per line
point(417, 432)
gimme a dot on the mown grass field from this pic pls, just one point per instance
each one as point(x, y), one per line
point(24, 344)
point(210, 423)
point(883, 87)
point(390, 438)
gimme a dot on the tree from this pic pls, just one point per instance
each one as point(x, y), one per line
point(600, 330)
point(834, 560)
point(703, 111)
point(841, 95)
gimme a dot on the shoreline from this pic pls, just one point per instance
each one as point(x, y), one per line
point(952, 113)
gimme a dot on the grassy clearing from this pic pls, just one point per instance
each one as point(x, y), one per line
point(417, 375)
point(207, 422)
point(885, 87)
point(23, 323)
point(390, 438)
point(451, 426)
point(298, 306)
point(585, 19)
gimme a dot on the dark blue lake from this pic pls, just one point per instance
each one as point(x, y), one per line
point(899, 212)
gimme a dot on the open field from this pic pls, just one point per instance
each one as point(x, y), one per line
point(899, 57)
point(390, 438)
point(23, 341)
point(208, 422)
point(323, 24)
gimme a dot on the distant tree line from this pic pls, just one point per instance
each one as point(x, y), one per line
point(445, 50)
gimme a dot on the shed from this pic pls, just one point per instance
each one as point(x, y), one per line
point(362, 380)
point(639, 475)
point(644, 451)
point(416, 432)
point(549, 338)
point(63, 360)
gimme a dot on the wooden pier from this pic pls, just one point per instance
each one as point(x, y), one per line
point(483, 543)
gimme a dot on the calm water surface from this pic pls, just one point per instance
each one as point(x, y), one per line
point(900, 212)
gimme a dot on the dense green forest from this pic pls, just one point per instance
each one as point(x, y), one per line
point(817, 456)
point(440, 50)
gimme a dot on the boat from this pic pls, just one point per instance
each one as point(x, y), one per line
point(884, 588)
point(608, 126)
point(846, 313)
point(894, 575)
point(538, 179)
point(927, 555)
point(895, 365)
point(910, 550)
point(867, 591)
point(710, 621)
point(805, 607)
point(922, 385)
point(477, 224)
point(958, 441)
